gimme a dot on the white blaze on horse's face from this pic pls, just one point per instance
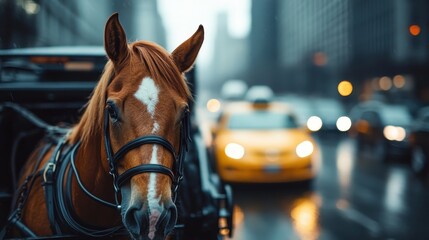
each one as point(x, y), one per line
point(148, 93)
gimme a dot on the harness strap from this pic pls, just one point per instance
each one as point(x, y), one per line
point(49, 198)
point(18, 223)
point(80, 183)
point(21, 197)
point(65, 207)
point(147, 168)
point(48, 184)
point(150, 139)
point(14, 220)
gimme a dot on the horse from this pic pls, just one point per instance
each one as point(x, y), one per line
point(115, 172)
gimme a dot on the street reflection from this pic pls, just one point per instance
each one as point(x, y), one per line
point(276, 212)
point(345, 164)
point(352, 198)
point(305, 216)
point(238, 219)
point(395, 190)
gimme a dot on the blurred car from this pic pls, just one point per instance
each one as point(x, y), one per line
point(332, 115)
point(319, 114)
point(382, 129)
point(420, 142)
point(261, 142)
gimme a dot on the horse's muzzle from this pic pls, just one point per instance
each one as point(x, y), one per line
point(144, 222)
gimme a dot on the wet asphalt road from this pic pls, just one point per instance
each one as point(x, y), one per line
point(355, 196)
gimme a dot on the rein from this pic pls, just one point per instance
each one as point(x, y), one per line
point(64, 205)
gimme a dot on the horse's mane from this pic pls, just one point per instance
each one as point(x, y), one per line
point(159, 65)
point(92, 119)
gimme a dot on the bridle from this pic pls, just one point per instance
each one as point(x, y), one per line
point(175, 174)
point(63, 194)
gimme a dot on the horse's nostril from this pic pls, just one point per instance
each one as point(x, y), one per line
point(153, 222)
point(169, 219)
point(133, 219)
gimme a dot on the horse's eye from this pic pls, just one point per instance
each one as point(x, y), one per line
point(113, 112)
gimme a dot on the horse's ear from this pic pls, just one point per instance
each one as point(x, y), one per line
point(115, 40)
point(184, 55)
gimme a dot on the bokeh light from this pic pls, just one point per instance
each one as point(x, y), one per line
point(399, 81)
point(394, 133)
point(304, 149)
point(320, 59)
point(345, 88)
point(415, 30)
point(343, 123)
point(234, 151)
point(213, 105)
point(385, 83)
point(314, 123)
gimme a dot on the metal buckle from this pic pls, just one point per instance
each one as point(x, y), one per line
point(48, 166)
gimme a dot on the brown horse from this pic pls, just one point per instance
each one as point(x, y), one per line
point(124, 153)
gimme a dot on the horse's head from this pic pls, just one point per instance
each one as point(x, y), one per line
point(146, 101)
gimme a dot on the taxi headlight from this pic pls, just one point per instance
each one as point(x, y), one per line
point(394, 133)
point(304, 149)
point(234, 151)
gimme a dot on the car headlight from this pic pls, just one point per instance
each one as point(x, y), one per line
point(234, 151)
point(314, 123)
point(394, 133)
point(304, 149)
point(344, 123)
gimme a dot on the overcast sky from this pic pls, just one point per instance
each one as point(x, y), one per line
point(181, 19)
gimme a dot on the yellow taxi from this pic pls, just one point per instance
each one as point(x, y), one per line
point(261, 142)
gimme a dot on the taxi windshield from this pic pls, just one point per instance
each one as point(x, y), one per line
point(263, 120)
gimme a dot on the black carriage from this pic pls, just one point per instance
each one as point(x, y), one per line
point(45, 87)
